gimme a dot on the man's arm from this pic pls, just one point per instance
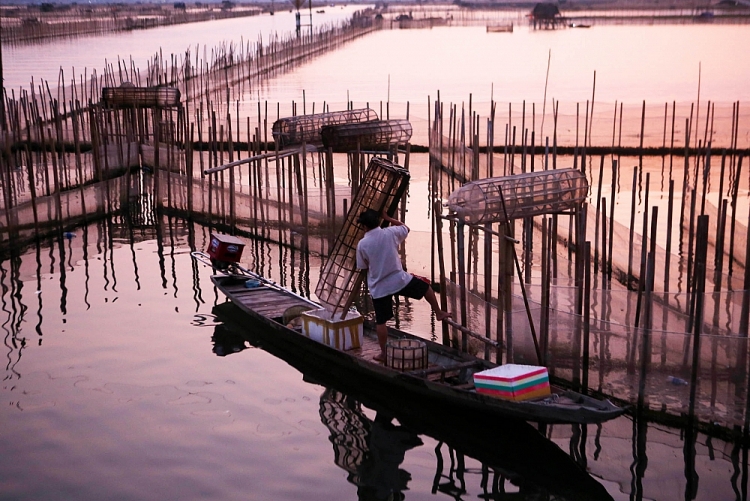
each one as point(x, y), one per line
point(362, 262)
point(392, 221)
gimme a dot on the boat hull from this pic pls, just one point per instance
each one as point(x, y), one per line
point(567, 407)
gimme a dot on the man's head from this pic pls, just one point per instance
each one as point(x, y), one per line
point(369, 219)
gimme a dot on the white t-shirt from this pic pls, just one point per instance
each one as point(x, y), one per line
point(377, 252)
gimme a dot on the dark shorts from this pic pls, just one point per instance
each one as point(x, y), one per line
point(415, 289)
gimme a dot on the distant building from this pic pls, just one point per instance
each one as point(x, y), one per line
point(546, 15)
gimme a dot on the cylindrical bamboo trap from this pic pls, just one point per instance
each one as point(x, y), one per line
point(501, 199)
point(306, 128)
point(382, 188)
point(372, 134)
point(406, 354)
point(141, 97)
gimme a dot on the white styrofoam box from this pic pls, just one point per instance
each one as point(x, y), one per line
point(342, 334)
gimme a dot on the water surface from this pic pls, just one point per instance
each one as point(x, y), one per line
point(633, 63)
point(119, 384)
point(114, 385)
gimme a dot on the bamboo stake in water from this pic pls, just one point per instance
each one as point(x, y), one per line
point(598, 209)
point(735, 195)
point(487, 286)
point(700, 282)
point(545, 293)
point(586, 316)
point(744, 321)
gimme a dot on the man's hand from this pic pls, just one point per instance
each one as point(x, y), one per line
point(386, 217)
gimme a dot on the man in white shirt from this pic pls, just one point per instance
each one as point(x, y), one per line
point(377, 253)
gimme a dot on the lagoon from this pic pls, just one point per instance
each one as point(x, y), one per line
point(119, 382)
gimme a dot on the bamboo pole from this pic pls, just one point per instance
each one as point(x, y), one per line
point(598, 209)
point(629, 278)
point(700, 280)
point(586, 316)
point(744, 320)
point(487, 287)
point(232, 182)
point(544, 321)
point(732, 230)
point(157, 163)
point(190, 170)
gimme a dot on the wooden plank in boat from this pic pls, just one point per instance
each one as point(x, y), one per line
point(265, 301)
point(369, 350)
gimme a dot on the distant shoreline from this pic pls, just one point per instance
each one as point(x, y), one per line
point(30, 23)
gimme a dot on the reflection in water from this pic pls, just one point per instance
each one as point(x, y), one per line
point(48, 386)
point(225, 340)
point(370, 450)
point(380, 475)
point(15, 346)
point(349, 428)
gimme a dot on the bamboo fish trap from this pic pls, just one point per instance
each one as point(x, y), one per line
point(306, 128)
point(500, 199)
point(383, 186)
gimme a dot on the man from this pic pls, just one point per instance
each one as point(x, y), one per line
point(377, 253)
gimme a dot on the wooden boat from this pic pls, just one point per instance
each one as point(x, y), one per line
point(500, 28)
point(446, 380)
point(512, 446)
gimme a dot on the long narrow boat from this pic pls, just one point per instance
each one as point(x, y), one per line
point(512, 446)
point(446, 380)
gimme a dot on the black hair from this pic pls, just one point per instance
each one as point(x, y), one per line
point(369, 219)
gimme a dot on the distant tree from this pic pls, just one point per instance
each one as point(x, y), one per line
point(47, 7)
point(180, 5)
point(227, 5)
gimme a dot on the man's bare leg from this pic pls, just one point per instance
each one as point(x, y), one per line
point(382, 331)
point(432, 299)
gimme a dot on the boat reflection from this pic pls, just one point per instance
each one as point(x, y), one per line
point(517, 461)
point(227, 341)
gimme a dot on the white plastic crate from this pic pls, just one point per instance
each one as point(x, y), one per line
point(341, 334)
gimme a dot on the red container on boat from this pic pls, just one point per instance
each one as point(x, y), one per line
point(225, 248)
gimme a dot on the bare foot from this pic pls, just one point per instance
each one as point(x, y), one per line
point(443, 315)
point(379, 358)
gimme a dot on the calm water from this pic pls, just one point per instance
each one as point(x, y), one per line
point(114, 388)
point(113, 385)
point(79, 56)
point(632, 63)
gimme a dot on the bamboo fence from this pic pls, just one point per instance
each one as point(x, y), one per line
point(613, 298)
point(629, 293)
